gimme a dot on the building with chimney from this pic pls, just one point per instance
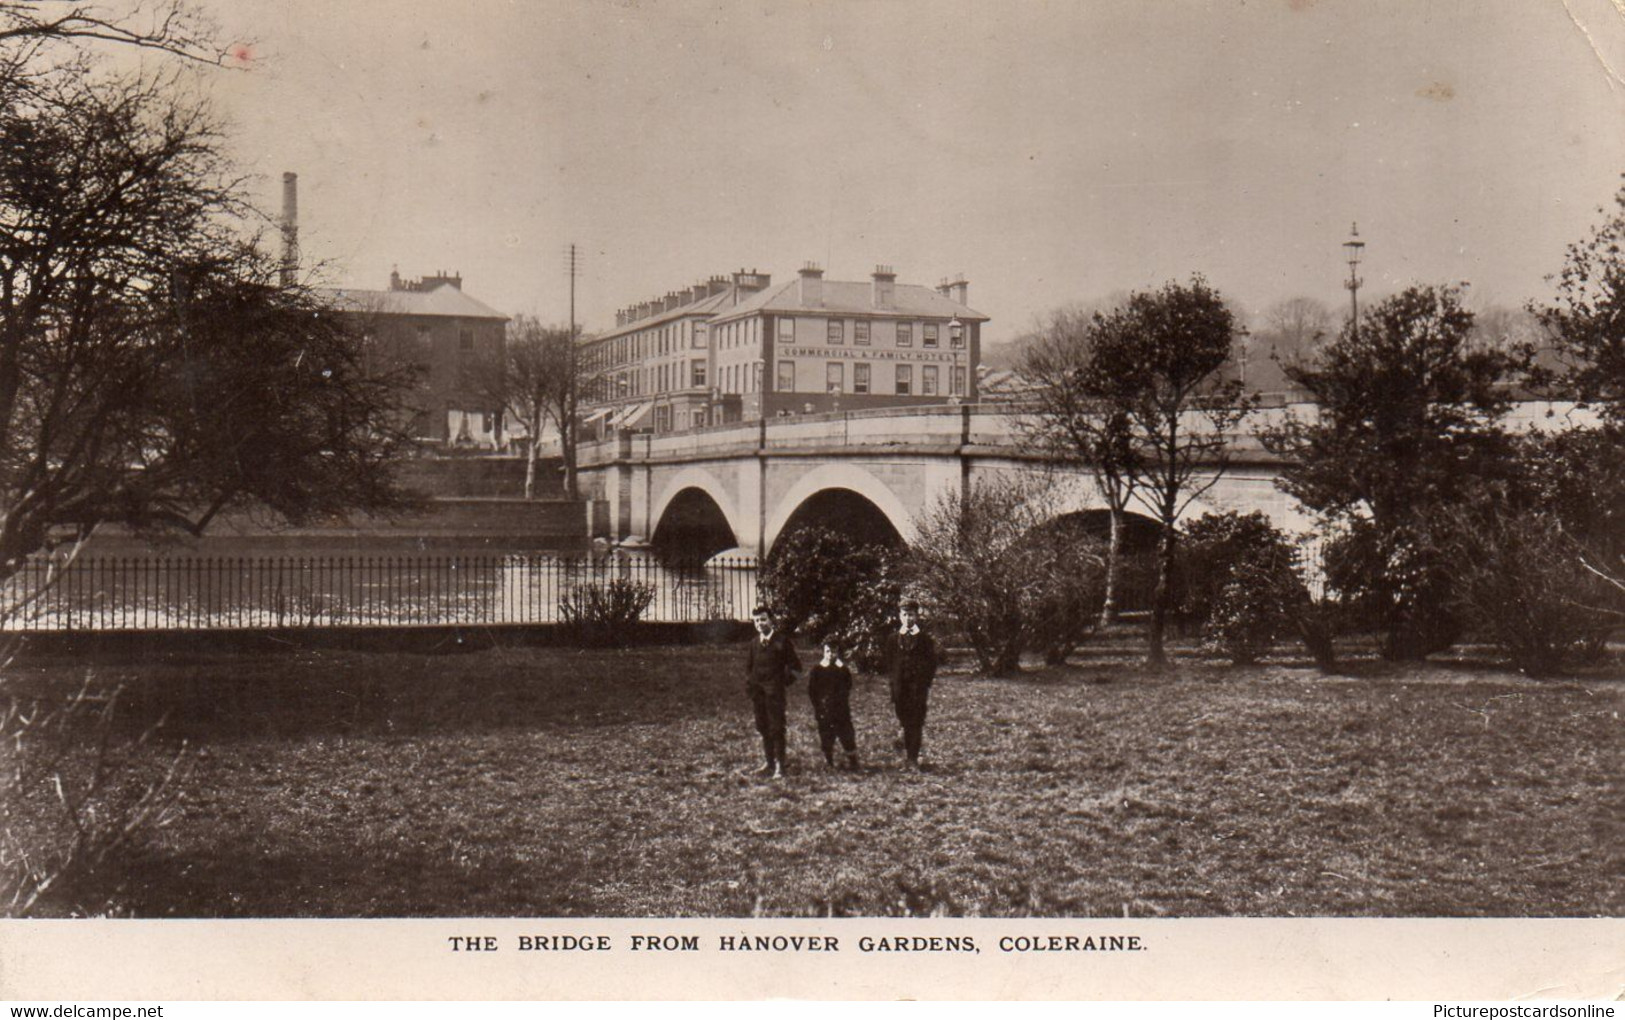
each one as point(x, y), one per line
point(452, 339)
point(429, 324)
point(741, 348)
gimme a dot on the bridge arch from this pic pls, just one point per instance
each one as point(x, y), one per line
point(694, 513)
point(837, 486)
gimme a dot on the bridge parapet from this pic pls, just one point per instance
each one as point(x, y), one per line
point(987, 427)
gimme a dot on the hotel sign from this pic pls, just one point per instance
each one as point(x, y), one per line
point(869, 354)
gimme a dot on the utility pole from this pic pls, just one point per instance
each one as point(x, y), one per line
point(1354, 246)
point(567, 428)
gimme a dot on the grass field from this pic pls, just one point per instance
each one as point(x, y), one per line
point(545, 782)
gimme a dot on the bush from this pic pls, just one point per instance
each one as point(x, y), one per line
point(1521, 582)
point(1063, 605)
point(814, 576)
point(994, 564)
point(1398, 583)
point(599, 614)
point(1212, 547)
point(1256, 607)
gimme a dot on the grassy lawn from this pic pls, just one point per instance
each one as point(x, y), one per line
point(544, 782)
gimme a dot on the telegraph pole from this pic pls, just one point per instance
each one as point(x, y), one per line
point(567, 429)
point(1354, 246)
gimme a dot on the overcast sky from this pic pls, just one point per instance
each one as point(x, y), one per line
point(1052, 151)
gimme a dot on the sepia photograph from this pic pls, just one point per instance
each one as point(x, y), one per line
point(987, 488)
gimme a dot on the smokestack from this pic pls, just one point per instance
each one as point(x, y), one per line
point(290, 229)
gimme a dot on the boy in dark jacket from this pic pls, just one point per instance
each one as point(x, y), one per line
point(912, 661)
point(829, 685)
point(770, 666)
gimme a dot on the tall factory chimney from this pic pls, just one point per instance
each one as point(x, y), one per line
point(290, 229)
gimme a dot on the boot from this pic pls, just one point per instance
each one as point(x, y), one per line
point(852, 761)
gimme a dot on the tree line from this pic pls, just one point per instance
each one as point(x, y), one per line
point(1437, 518)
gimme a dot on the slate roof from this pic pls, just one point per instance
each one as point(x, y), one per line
point(444, 300)
point(708, 305)
point(846, 297)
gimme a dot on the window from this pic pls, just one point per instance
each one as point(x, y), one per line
point(488, 422)
point(836, 331)
point(905, 334)
point(697, 373)
point(834, 377)
point(663, 418)
point(699, 335)
point(956, 334)
point(928, 380)
point(465, 339)
point(860, 378)
point(860, 332)
point(905, 380)
point(929, 336)
point(959, 381)
point(755, 376)
point(787, 329)
point(787, 376)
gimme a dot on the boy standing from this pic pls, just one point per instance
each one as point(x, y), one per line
point(770, 666)
point(829, 685)
point(912, 663)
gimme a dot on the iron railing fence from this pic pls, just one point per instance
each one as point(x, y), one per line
point(202, 593)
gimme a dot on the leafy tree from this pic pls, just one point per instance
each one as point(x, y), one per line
point(1586, 321)
point(1521, 582)
point(153, 371)
point(1155, 361)
point(1409, 417)
point(1076, 423)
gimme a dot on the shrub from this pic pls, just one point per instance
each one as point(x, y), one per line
point(1253, 611)
point(1063, 604)
point(815, 577)
point(1212, 547)
point(1398, 583)
point(1521, 581)
point(604, 613)
point(991, 561)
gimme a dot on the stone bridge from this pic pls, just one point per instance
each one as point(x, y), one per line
point(870, 473)
point(742, 486)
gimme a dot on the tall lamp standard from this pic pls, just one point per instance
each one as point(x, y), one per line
point(956, 340)
point(1354, 246)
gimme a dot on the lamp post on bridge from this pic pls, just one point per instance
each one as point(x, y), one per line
point(956, 339)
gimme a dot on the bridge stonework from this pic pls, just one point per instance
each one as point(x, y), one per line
point(759, 474)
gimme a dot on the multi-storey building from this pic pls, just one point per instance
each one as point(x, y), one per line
point(451, 339)
point(742, 348)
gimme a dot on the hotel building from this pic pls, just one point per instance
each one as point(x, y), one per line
point(742, 348)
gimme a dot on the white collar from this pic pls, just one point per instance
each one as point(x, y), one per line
point(914, 630)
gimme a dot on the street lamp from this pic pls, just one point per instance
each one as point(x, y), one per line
point(956, 340)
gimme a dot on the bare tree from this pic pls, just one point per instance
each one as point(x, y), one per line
point(153, 370)
point(1292, 331)
point(538, 382)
